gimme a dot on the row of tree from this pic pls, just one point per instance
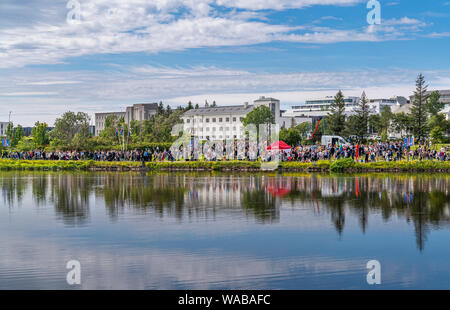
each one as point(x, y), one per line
point(424, 120)
point(72, 130)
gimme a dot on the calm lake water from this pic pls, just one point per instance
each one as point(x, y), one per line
point(223, 231)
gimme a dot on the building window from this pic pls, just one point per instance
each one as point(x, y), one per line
point(214, 120)
point(188, 121)
point(241, 119)
point(228, 119)
point(234, 119)
point(220, 120)
point(207, 120)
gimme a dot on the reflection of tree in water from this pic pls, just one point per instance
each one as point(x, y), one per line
point(424, 200)
point(262, 205)
point(13, 187)
point(70, 196)
point(143, 193)
point(40, 185)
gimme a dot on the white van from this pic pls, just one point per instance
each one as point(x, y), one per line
point(334, 140)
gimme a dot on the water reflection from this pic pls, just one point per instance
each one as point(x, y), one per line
point(420, 199)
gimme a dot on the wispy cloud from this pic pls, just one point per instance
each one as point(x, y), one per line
point(113, 26)
point(96, 92)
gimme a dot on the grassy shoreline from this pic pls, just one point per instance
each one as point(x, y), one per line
point(343, 165)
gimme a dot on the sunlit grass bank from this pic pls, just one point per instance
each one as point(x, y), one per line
point(343, 165)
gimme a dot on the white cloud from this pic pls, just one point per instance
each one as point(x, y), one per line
point(282, 4)
point(113, 26)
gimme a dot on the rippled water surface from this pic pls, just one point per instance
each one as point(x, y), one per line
point(223, 231)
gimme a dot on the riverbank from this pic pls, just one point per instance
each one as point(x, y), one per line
point(343, 165)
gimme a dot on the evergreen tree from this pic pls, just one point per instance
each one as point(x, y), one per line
point(160, 110)
point(168, 110)
point(189, 106)
point(362, 118)
point(336, 119)
point(419, 109)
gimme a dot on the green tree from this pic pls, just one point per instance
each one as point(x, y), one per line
point(419, 109)
point(189, 106)
point(291, 136)
point(69, 125)
point(336, 117)
point(10, 132)
point(401, 123)
point(160, 109)
point(385, 121)
point(260, 115)
point(437, 135)
point(362, 118)
point(375, 123)
point(18, 135)
point(40, 135)
point(304, 128)
point(434, 104)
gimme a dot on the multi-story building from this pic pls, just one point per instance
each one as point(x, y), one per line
point(137, 112)
point(100, 119)
point(376, 105)
point(318, 108)
point(445, 95)
point(140, 112)
point(224, 122)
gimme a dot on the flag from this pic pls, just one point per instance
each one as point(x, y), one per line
point(5, 142)
point(121, 131)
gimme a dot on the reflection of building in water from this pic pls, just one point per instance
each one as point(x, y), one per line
point(230, 193)
point(216, 191)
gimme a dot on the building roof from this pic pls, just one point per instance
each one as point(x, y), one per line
point(153, 105)
point(222, 110)
point(262, 98)
point(110, 113)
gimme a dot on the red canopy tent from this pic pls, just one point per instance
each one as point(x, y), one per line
point(279, 145)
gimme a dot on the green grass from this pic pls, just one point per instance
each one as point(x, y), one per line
point(342, 165)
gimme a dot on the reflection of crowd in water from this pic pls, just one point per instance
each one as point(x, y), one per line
point(248, 151)
point(423, 200)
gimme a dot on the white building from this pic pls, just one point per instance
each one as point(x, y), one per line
point(224, 122)
point(376, 105)
point(320, 107)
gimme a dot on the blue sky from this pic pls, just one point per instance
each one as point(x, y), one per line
point(231, 51)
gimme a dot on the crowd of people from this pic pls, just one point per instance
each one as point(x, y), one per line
point(245, 151)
